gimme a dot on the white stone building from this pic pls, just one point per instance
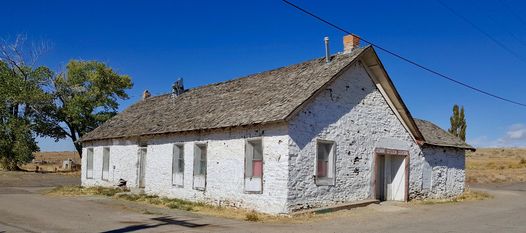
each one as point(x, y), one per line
point(308, 135)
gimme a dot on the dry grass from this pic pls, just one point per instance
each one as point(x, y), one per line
point(496, 165)
point(58, 156)
point(173, 203)
point(253, 217)
point(51, 162)
point(83, 191)
point(468, 195)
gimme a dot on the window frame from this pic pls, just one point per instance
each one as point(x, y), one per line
point(180, 147)
point(330, 179)
point(200, 145)
point(141, 164)
point(104, 149)
point(88, 150)
point(249, 142)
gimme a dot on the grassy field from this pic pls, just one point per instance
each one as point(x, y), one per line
point(496, 165)
point(51, 161)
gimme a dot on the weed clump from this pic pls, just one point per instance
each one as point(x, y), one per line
point(467, 195)
point(83, 191)
point(252, 216)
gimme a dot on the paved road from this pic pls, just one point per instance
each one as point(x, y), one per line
point(24, 209)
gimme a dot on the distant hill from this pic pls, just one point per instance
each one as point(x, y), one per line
point(496, 165)
point(57, 156)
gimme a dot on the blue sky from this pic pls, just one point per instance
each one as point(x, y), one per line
point(156, 42)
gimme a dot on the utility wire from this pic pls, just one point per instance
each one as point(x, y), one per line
point(513, 12)
point(406, 59)
point(489, 36)
point(508, 30)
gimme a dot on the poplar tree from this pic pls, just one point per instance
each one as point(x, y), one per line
point(458, 123)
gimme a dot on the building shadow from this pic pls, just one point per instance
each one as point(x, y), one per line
point(162, 221)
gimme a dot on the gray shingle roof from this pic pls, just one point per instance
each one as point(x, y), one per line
point(271, 96)
point(265, 97)
point(436, 136)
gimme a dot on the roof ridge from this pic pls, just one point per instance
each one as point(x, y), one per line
point(264, 97)
point(267, 71)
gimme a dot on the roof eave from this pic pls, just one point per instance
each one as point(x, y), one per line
point(179, 131)
point(451, 146)
point(376, 66)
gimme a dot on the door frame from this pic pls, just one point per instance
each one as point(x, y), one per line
point(140, 166)
point(389, 152)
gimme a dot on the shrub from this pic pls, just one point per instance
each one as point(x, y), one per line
point(252, 216)
point(173, 205)
point(154, 201)
point(129, 197)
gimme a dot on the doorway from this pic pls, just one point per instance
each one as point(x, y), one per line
point(391, 176)
point(142, 166)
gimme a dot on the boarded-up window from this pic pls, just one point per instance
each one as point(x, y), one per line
point(254, 159)
point(325, 167)
point(89, 164)
point(200, 158)
point(178, 165)
point(105, 163)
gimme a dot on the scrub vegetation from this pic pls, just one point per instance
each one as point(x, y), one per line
point(174, 203)
point(496, 165)
point(468, 195)
point(83, 191)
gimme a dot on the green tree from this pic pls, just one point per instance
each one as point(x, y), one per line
point(458, 123)
point(86, 96)
point(23, 101)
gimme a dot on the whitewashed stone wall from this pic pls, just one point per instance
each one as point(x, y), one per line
point(225, 168)
point(444, 172)
point(123, 163)
point(353, 113)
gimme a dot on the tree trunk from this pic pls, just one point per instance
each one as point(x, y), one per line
point(78, 146)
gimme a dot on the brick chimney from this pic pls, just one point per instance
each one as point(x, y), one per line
point(350, 42)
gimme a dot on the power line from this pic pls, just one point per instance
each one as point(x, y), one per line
point(512, 11)
point(406, 59)
point(488, 35)
point(508, 30)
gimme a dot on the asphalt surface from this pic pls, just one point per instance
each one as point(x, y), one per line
point(24, 209)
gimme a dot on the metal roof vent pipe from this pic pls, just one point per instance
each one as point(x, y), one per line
point(177, 88)
point(146, 94)
point(327, 50)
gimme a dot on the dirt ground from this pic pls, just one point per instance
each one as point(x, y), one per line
point(23, 208)
point(32, 179)
point(496, 165)
point(500, 172)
